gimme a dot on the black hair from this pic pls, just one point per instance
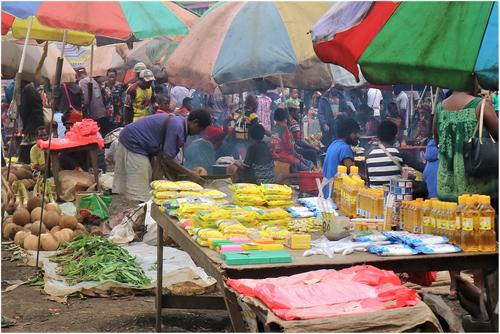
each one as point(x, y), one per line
point(346, 126)
point(280, 114)
point(257, 132)
point(187, 102)
point(162, 98)
point(387, 131)
point(202, 116)
point(111, 70)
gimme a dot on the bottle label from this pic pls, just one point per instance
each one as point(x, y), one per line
point(485, 223)
point(458, 226)
point(433, 222)
point(468, 225)
point(427, 221)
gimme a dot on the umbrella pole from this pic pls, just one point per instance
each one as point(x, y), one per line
point(90, 87)
point(17, 94)
point(421, 96)
point(434, 103)
point(57, 84)
point(282, 90)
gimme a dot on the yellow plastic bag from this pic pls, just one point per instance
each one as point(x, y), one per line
point(276, 189)
point(205, 233)
point(213, 193)
point(272, 214)
point(277, 197)
point(164, 185)
point(188, 185)
point(213, 215)
point(280, 204)
point(164, 194)
point(245, 188)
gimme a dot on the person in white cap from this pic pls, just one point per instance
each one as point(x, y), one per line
point(140, 97)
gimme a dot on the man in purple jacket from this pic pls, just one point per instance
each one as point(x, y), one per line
point(141, 140)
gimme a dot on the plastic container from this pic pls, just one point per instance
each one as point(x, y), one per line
point(307, 182)
point(487, 236)
point(469, 237)
point(337, 183)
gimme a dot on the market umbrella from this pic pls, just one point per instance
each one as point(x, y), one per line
point(105, 57)
point(121, 20)
point(11, 56)
point(154, 51)
point(445, 44)
point(74, 54)
point(19, 27)
point(241, 41)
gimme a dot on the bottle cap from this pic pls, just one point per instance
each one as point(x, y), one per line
point(342, 169)
point(469, 200)
point(354, 169)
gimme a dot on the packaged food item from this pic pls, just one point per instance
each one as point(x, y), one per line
point(165, 185)
point(276, 189)
point(424, 239)
point(188, 193)
point(164, 194)
point(272, 214)
point(193, 208)
point(213, 193)
point(206, 233)
point(300, 212)
point(391, 250)
point(299, 241)
point(276, 222)
point(188, 185)
point(437, 249)
point(307, 225)
point(277, 197)
point(281, 204)
point(177, 202)
point(245, 188)
point(369, 236)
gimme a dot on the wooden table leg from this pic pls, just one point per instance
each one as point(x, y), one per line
point(159, 276)
point(54, 162)
point(235, 311)
point(93, 163)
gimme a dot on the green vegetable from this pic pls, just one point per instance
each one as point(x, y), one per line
point(93, 258)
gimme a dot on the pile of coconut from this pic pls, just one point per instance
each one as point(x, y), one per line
point(24, 226)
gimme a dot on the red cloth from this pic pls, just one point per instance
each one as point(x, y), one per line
point(282, 145)
point(324, 293)
point(81, 134)
point(346, 47)
point(214, 134)
point(183, 112)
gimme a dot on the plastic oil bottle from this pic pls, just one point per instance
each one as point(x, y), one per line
point(426, 217)
point(451, 214)
point(469, 238)
point(337, 183)
point(380, 204)
point(410, 210)
point(433, 218)
point(487, 236)
point(457, 230)
point(418, 223)
point(402, 214)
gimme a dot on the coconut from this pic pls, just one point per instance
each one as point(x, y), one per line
point(27, 227)
point(55, 229)
point(51, 219)
point(53, 207)
point(23, 173)
point(69, 222)
point(31, 242)
point(36, 214)
point(10, 230)
point(7, 220)
point(12, 178)
point(19, 238)
point(21, 216)
point(34, 202)
point(49, 242)
point(36, 227)
point(64, 235)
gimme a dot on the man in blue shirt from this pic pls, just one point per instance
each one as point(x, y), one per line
point(339, 152)
point(142, 139)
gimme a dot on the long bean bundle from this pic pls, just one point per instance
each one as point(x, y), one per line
point(93, 258)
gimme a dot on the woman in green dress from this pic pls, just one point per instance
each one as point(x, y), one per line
point(454, 123)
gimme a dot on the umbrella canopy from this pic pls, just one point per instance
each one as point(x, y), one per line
point(11, 55)
point(154, 51)
point(239, 41)
point(436, 43)
point(105, 58)
point(18, 27)
point(116, 19)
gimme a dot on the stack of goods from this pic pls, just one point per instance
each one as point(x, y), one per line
point(400, 190)
point(305, 225)
point(209, 218)
point(247, 194)
point(370, 203)
point(164, 190)
point(273, 217)
point(277, 195)
point(406, 243)
point(202, 235)
point(328, 293)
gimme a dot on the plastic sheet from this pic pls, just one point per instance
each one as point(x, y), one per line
point(324, 293)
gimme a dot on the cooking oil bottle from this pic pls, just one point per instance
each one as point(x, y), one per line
point(426, 217)
point(469, 239)
point(451, 215)
point(459, 219)
point(353, 171)
point(418, 220)
point(434, 203)
point(337, 183)
point(487, 236)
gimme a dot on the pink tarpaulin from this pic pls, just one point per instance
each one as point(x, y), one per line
point(325, 293)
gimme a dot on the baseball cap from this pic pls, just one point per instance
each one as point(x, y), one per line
point(139, 67)
point(147, 75)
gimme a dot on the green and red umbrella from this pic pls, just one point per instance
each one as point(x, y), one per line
point(447, 44)
point(121, 20)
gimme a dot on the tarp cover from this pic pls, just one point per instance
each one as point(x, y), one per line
point(324, 293)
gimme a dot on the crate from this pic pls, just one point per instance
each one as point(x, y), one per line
point(307, 182)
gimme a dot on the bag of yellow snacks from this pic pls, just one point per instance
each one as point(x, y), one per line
point(164, 185)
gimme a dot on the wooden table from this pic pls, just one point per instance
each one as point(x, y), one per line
point(91, 151)
point(214, 266)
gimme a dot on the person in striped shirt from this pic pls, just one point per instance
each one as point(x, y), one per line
point(383, 160)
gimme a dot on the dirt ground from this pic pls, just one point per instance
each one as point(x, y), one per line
point(29, 306)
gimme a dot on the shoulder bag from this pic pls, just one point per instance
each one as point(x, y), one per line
point(73, 115)
point(480, 154)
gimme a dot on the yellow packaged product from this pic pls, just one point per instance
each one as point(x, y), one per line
point(158, 201)
point(213, 215)
point(213, 193)
point(188, 185)
point(280, 204)
point(276, 189)
point(277, 197)
point(164, 194)
point(202, 242)
point(272, 214)
point(206, 233)
point(192, 208)
point(188, 193)
point(235, 228)
point(243, 215)
point(226, 222)
point(276, 222)
point(245, 188)
point(164, 185)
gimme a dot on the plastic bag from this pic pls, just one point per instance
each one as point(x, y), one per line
point(272, 214)
point(188, 185)
point(164, 185)
point(391, 250)
point(245, 188)
point(96, 205)
point(276, 189)
point(369, 236)
point(438, 249)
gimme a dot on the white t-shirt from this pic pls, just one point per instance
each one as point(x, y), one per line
point(402, 101)
point(374, 99)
